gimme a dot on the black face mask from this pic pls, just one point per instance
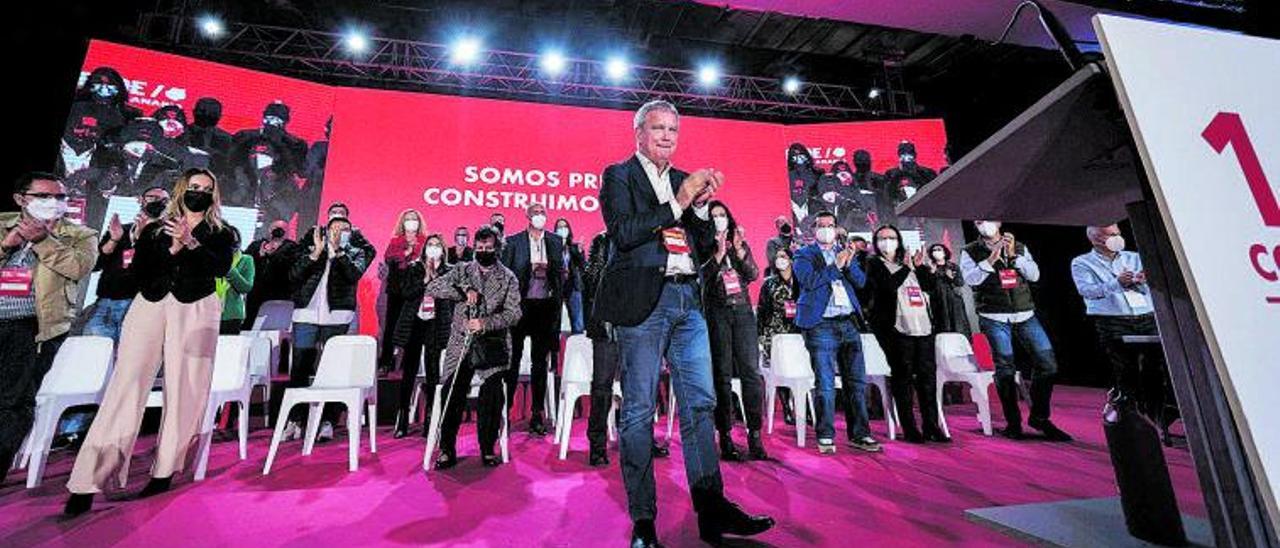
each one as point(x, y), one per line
point(785, 230)
point(498, 226)
point(277, 232)
point(197, 201)
point(154, 209)
point(486, 258)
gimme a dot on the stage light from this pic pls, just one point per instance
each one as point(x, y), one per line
point(791, 85)
point(465, 50)
point(356, 41)
point(553, 62)
point(874, 93)
point(709, 75)
point(616, 68)
point(211, 26)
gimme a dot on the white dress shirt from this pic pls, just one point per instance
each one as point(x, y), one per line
point(976, 271)
point(677, 263)
point(317, 311)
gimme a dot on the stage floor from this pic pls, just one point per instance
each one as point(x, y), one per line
point(907, 496)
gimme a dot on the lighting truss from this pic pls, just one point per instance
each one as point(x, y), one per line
point(424, 66)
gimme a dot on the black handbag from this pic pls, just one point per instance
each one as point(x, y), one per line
point(489, 350)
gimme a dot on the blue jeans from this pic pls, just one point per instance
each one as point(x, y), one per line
point(1030, 334)
point(574, 303)
point(677, 331)
point(832, 345)
point(108, 315)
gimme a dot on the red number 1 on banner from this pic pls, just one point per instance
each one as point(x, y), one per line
point(1228, 129)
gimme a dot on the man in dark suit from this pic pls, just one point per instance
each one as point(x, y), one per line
point(658, 222)
point(534, 256)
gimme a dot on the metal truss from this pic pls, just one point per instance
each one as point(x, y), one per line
point(423, 66)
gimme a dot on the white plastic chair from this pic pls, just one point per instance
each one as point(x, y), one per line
point(261, 351)
point(956, 363)
point(735, 386)
point(878, 374)
point(347, 374)
point(230, 384)
point(275, 321)
point(789, 367)
point(77, 377)
point(437, 417)
point(575, 383)
point(526, 378)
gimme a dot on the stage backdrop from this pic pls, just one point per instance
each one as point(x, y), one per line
point(454, 159)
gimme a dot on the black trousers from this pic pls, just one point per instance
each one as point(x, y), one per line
point(734, 353)
point(1138, 370)
point(423, 349)
point(489, 411)
point(23, 364)
point(604, 370)
point(540, 321)
point(913, 367)
point(387, 355)
point(230, 327)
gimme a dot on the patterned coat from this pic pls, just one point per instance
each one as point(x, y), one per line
point(499, 308)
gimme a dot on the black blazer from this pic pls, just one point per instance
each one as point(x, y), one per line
point(632, 281)
point(516, 257)
point(189, 274)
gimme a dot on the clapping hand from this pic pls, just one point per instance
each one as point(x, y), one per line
point(115, 229)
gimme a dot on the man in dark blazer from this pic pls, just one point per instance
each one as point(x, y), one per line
point(534, 255)
point(649, 300)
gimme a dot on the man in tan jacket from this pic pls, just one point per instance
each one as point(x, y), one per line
point(43, 257)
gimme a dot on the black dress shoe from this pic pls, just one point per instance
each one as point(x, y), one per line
point(660, 451)
point(727, 518)
point(77, 504)
point(598, 459)
point(937, 437)
point(728, 451)
point(1051, 432)
point(155, 487)
point(401, 431)
point(491, 461)
point(644, 535)
point(446, 461)
point(913, 437)
point(1012, 432)
point(755, 447)
point(536, 426)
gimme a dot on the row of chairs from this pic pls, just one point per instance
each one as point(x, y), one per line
point(346, 374)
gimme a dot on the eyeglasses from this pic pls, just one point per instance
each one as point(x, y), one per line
point(61, 197)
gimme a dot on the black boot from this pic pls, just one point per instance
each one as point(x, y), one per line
point(446, 460)
point(77, 504)
point(728, 451)
point(1007, 390)
point(155, 487)
point(536, 425)
point(726, 518)
point(6, 461)
point(598, 457)
point(644, 534)
point(755, 446)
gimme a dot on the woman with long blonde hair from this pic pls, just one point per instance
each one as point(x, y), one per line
point(403, 252)
point(173, 320)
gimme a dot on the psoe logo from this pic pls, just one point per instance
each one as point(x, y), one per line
point(1227, 128)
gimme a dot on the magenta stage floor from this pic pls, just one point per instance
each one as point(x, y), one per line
point(908, 496)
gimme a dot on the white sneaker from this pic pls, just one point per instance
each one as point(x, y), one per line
point(326, 431)
point(291, 432)
point(826, 447)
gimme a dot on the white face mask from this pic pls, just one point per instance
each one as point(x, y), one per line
point(1115, 243)
point(262, 161)
point(460, 240)
point(434, 252)
point(411, 225)
point(135, 148)
point(722, 223)
point(46, 209)
point(938, 255)
point(563, 232)
point(782, 263)
point(888, 246)
point(988, 228)
point(538, 221)
point(825, 234)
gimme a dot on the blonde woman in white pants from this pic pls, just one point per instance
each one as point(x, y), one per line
point(174, 320)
